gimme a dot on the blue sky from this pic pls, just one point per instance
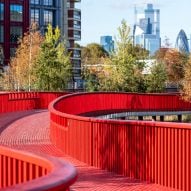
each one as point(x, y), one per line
point(103, 17)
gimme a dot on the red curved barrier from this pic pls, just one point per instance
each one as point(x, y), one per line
point(25, 171)
point(152, 151)
point(19, 101)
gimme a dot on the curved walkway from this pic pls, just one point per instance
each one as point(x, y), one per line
point(29, 131)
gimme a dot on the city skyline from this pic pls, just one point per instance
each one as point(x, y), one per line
point(99, 19)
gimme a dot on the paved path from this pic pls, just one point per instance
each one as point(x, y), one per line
point(29, 131)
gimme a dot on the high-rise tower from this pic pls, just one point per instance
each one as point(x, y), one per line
point(182, 42)
point(107, 43)
point(146, 30)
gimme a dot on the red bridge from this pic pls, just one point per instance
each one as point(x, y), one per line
point(133, 155)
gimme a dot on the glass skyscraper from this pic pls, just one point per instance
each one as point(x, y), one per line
point(182, 42)
point(146, 32)
point(107, 43)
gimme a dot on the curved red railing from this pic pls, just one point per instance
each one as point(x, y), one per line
point(19, 101)
point(25, 171)
point(151, 151)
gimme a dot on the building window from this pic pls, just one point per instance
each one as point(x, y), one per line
point(77, 34)
point(35, 2)
point(35, 15)
point(68, 4)
point(77, 15)
point(48, 2)
point(15, 33)
point(16, 12)
point(48, 17)
point(1, 33)
point(1, 11)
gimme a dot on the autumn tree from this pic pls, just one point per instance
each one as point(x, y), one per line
point(175, 62)
point(160, 54)
point(19, 75)
point(186, 82)
point(53, 67)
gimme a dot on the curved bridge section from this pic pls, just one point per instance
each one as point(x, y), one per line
point(151, 151)
point(25, 171)
point(11, 102)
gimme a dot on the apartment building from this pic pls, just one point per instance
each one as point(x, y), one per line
point(14, 22)
point(15, 19)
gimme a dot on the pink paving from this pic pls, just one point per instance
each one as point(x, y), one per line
point(29, 131)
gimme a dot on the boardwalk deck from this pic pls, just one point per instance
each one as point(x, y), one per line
point(29, 131)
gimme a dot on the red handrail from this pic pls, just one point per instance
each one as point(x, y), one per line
point(26, 171)
point(151, 151)
point(19, 101)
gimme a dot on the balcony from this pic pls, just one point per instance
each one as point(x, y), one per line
point(74, 14)
point(74, 35)
point(76, 73)
point(74, 25)
point(76, 1)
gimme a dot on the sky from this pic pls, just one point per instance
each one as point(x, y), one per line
point(103, 17)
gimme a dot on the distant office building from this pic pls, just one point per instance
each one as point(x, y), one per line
point(182, 42)
point(146, 32)
point(107, 43)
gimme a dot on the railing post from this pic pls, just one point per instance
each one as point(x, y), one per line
point(162, 118)
point(179, 118)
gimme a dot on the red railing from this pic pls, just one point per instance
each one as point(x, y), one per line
point(151, 151)
point(25, 171)
point(27, 100)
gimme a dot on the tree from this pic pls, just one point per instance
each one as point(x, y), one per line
point(120, 71)
point(175, 61)
point(93, 59)
point(126, 70)
point(53, 67)
point(160, 54)
point(19, 75)
point(138, 52)
point(92, 53)
point(186, 82)
point(155, 81)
